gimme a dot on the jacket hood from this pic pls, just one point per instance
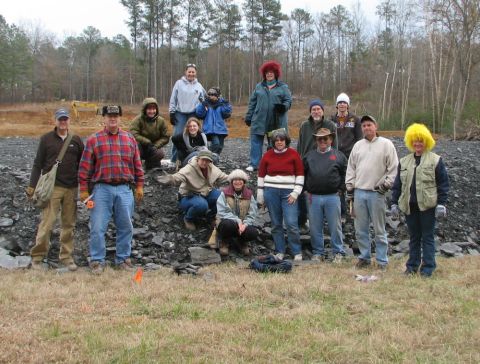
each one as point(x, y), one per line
point(148, 101)
point(184, 79)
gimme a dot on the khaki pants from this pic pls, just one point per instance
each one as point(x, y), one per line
point(64, 199)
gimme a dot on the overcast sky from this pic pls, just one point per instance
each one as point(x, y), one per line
point(69, 17)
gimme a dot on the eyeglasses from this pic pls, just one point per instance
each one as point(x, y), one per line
point(191, 65)
point(212, 95)
point(322, 139)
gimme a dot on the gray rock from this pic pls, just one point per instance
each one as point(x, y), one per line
point(450, 249)
point(9, 262)
point(403, 247)
point(3, 252)
point(203, 256)
point(473, 251)
point(391, 222)
point(6, 222)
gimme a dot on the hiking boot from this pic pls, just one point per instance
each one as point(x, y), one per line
point(37, 265)
point(382, 267)
point(126, 265)
point(71, 266)
point(409, 272)
point(96, 267)
point(318, 258)
point(223, 248)
point(298, 257)
point(279, 256)
point(189, 225)
point(244, 249)
point(362, 263)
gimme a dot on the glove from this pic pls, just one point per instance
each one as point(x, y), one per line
point(349, 196)
point(139, 194)
point(29, 191)
point(248, 122)
point(280, 108)
point(166, 179)
point(173, 118)
point(440, 212)
point(84, 195)
point(260, 199)
point(395, 212)
point(382, 189)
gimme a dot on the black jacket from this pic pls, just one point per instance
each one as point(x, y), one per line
point(325, 172)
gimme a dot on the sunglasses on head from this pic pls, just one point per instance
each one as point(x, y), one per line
point(191, 65)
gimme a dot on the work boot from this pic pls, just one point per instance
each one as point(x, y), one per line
point(96, 268)
point(126, 265)
point(223, 248)
point(70, 265)
point(362, 263)
point(37, 265)
point(245, 249)
point(189, 225)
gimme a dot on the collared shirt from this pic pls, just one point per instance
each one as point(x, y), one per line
point(110, 158)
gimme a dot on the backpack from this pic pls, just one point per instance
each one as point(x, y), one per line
point(268, 263)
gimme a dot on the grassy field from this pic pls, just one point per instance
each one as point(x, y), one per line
point(228, 314)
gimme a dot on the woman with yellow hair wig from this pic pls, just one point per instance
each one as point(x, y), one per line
point(420, 191)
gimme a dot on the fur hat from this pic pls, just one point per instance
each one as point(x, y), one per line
point(273, 66)
point(238, 174)
point(416, 132)
point(316, 102)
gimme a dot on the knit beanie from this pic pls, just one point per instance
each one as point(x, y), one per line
point(316, 102)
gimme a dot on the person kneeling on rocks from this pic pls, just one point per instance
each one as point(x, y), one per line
point(150, 132)
point(236, 214)
point(197, 193)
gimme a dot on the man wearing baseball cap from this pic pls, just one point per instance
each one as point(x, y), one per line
point(111, 163)
point(64, 193)
point(371, 171)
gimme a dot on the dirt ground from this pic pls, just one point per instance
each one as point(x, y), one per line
point(30, 120)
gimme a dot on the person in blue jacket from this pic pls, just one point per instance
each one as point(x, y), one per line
point(214, 110)
point(267, 110)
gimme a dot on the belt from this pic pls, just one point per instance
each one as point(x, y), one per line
point(116, 183)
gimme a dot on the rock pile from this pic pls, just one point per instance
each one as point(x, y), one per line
point(161, 240)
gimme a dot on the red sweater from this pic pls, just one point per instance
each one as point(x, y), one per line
point(281, 170)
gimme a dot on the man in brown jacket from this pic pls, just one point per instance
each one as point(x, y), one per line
point(64, 194)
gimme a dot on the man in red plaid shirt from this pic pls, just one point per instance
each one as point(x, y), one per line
point(111, 163)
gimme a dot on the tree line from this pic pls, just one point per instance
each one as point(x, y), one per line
point(418, 61)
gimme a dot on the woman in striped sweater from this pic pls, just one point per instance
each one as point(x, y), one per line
point(280, 182)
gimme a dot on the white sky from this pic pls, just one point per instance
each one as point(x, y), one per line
point(69, 17)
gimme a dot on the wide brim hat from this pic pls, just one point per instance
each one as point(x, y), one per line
point(322, 132)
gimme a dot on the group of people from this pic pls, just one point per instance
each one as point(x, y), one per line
point(339, 164)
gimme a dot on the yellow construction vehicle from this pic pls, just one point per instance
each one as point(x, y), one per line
point(76, 105)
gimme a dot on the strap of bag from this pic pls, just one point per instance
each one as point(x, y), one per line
point(64, 148)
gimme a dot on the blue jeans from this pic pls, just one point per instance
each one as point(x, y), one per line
point(256, 149)
point(421, 225)
point(327, 206)
point(217, 141)
point(369, 206)
point(280, 210)
point(179, 128)
point(197, 206)
point(116, 200)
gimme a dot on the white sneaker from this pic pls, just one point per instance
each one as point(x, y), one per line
point(250, 169)
point(298, 257)
point(279, 256)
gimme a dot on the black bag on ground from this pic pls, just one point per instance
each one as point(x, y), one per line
point(268, 263)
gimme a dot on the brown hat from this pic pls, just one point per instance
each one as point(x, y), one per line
point(323, 132)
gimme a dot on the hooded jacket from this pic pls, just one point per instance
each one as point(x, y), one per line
point(185, 96)
point(214, 115)
point(149, 131)
point(261, 108)
point(192, 180)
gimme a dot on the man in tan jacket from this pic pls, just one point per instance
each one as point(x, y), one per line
point(198, 192)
